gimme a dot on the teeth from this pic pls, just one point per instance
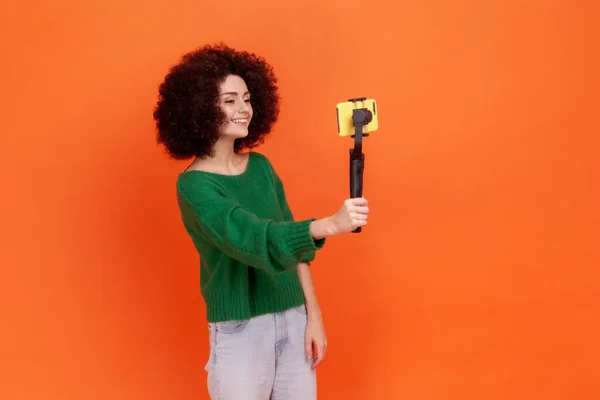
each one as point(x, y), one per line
point(240, 120)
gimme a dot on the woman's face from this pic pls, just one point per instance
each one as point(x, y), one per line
point(235, 103)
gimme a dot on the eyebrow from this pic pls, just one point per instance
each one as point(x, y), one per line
point(227, 93)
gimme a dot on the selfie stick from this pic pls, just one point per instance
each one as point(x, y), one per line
point(361, 117)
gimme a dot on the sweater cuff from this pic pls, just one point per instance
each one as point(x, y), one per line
point(307, 258)
point(299, 237)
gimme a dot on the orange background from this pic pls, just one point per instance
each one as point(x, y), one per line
point(477, 277)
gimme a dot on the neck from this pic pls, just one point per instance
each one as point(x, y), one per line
point(223, 153)
point(224, 160)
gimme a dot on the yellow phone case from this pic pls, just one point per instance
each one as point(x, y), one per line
point(344, 116)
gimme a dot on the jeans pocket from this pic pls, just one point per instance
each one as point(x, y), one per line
point(231, 327)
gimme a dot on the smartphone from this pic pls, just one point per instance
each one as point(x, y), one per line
point(344, 116)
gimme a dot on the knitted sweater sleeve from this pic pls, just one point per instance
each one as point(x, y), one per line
point(288, 214)
point(258, 242)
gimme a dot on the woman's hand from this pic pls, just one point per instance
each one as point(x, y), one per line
point(351, 215)
point(315, 341)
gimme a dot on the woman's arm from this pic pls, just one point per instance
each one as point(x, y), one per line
point(315, 338)
point(312, 305)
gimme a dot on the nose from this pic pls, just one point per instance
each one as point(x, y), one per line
point(244, 107)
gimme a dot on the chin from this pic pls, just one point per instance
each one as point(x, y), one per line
point(237, 134)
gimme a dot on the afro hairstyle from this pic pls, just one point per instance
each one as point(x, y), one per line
point(187, 114)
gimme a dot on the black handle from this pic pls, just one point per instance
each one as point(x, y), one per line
point(357, 166)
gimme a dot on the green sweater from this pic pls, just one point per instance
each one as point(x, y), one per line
point(247, 239)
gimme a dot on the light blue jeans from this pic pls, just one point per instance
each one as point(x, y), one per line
point(261, 358)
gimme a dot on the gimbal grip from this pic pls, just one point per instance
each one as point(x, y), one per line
point(356, 179)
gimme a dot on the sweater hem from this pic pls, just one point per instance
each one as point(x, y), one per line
point(222, 306)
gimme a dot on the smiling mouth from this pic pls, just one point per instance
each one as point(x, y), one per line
point(240, 121)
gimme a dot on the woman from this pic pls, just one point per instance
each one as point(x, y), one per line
point(265, 326)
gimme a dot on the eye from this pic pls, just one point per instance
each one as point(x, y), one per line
point(229, 101)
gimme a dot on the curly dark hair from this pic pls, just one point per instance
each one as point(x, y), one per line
point(187, 115)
